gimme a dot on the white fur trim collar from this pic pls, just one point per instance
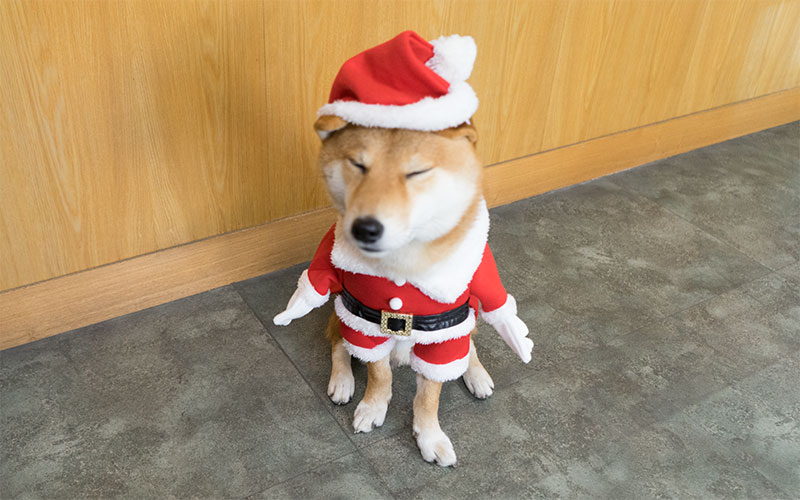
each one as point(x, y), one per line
point(428, 114)
point(370, 329)
point(445, 282)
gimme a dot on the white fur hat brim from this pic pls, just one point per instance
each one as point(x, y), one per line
point(453, 60)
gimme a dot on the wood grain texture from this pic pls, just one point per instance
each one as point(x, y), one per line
point(137, 125)
point(132, 126)
point(80, 299)
point(557, 168)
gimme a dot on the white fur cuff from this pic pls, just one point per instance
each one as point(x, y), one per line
point(309, 293)
point(502, 313)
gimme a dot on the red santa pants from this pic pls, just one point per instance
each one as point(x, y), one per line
point(440, 361)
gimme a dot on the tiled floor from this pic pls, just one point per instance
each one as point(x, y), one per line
point(665, 306)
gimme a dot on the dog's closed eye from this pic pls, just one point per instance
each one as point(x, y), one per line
point(418, 172)
point(358, 165)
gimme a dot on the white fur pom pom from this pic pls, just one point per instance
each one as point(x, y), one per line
point(453, 57)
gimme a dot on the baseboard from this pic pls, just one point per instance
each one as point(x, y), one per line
point(542, 172)
point(61, 304)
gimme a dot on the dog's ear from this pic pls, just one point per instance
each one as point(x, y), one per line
point(465, 130)
point(328, 124)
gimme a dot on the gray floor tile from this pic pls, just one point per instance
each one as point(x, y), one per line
point(651, 373)
point(344, 478)
point(780, 292)
point(668, 460)
point(745, 191)
point(734, 444)
point(192, 398)
point(791, 272)
point(506, 445)
point(665, 307)
point(739, 327)
point(557, 337)
point(611, 258)
point(757, 421)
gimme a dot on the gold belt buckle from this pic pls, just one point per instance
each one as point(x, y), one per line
point(387, 315)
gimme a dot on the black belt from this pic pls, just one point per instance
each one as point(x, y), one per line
point(394, 323)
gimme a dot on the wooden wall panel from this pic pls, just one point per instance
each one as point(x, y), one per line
point(134, 125)
point(128, 127)
point(80, 299)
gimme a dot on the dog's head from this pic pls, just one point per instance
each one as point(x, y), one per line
point(394, 187)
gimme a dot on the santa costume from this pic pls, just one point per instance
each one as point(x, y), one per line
point(413, 84)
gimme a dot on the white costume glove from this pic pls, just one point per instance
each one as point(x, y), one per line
point(511, 329)
point(303, 301)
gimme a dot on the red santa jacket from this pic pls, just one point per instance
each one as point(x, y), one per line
point(419, 296)
point(467, 274)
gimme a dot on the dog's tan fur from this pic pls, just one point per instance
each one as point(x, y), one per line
point(386, 192)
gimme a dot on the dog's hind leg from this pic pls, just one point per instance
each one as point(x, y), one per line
point(433, 443)
point(476, 378)
point(371, 411)
point(342, 384)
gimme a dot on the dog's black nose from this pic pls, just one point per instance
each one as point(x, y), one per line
point(367, 229)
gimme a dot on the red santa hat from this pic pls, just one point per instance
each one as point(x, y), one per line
point(407, 83)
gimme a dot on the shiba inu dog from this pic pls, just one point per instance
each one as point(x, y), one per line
point(408, 255)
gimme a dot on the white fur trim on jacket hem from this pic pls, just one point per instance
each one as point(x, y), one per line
point(502, 313)
point(371, 329)
point(440, 373)
point(445, 282)
point(376, 353)
point(309, 293)
point(428, 114)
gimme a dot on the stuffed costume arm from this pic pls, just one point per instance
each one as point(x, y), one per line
point(499, 308)
point(315, 284)
point(511, 328)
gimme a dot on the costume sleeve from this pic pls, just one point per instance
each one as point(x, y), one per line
point(322, 275)
point(486, 285)
point(499, 308)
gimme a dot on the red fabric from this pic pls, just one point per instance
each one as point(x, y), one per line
point(486, 284)
point(321, 272)
point(443, 352)
point(358, 339)
point(394, 72)
point(485, 289)
point(376, 293)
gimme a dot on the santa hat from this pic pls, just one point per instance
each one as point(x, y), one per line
point(407, 83)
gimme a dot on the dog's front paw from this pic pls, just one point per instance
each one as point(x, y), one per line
point(478, 381)
point(436, 447)
point(369, 415)
point(341, 387)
